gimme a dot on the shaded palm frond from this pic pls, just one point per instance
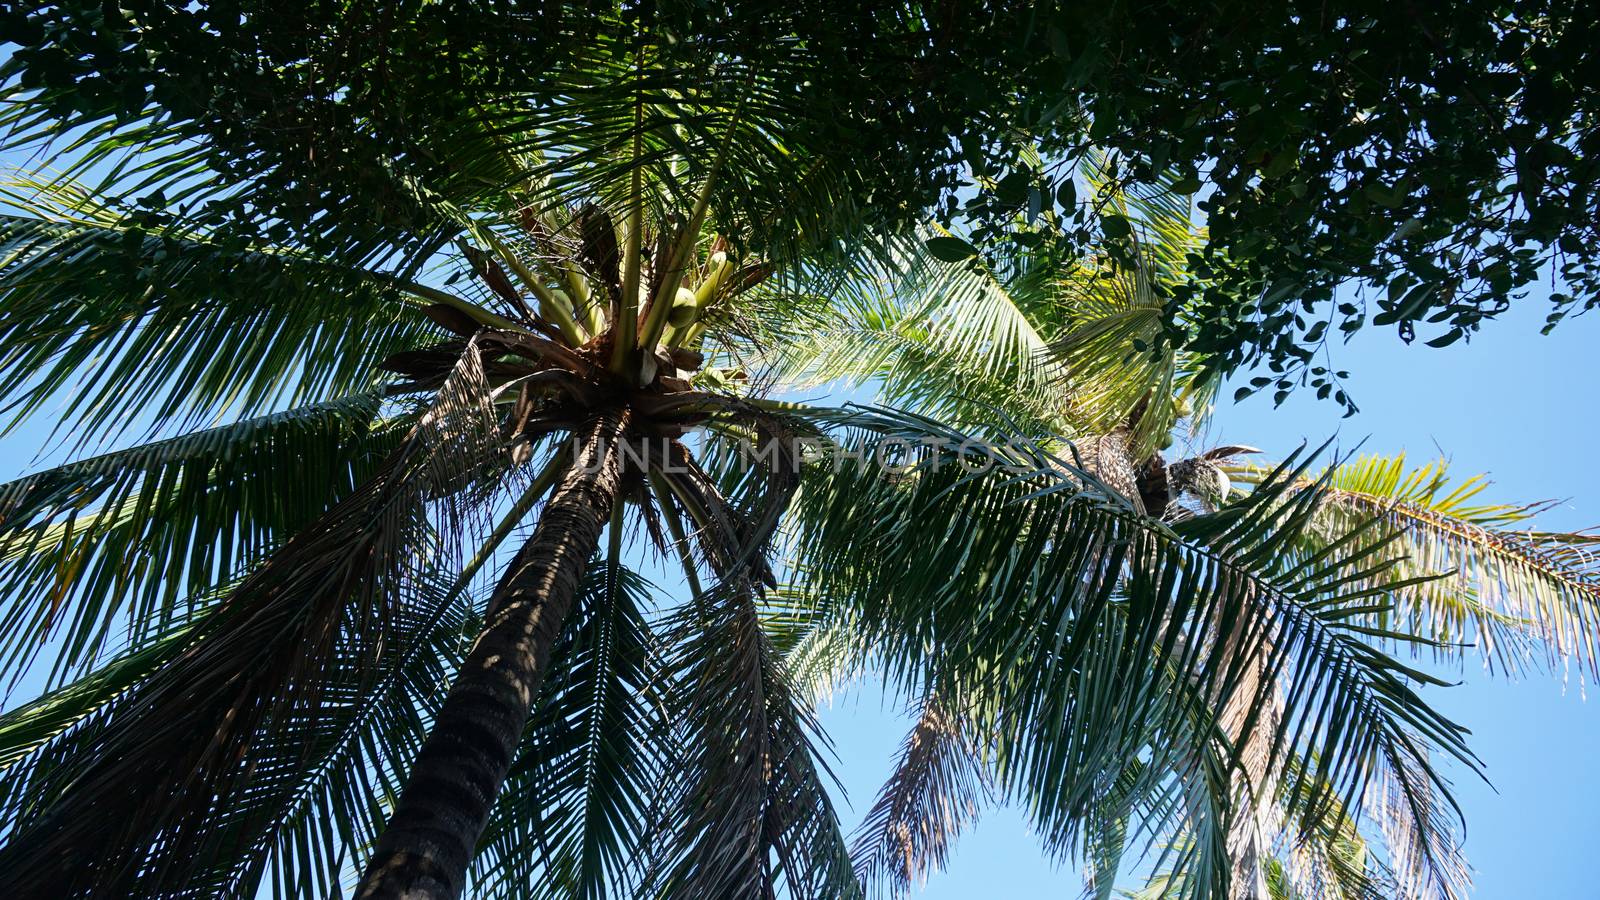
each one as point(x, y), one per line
point(937, 788)
point(183, 743)
point(109, 310)
point(190, 511)
point(748, 812)
point(822, 651)
point(1080, 607)
point(306, 818)
point(571, 821)
point(322, 778)
point(337, 161)
point(318, 786)
point(30, 726)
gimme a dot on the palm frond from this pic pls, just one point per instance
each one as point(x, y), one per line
point(1074, 348)
point(185, 741)
point(936, 790)
point(571, 822)
point(133, 309)
point(1334, 860)
point(190, 511)
point(821, 650)
point(1502, 584)
point(306, 819)
point(748, 811)
point(322, 779)
point(1080, 606)
point(947, 339)
point(1122, 370)
point(352, 165)
point(1421, 835)
point(30, 726)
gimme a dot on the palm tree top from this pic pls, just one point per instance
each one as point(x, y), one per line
point(593, 267)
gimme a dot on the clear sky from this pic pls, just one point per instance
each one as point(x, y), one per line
point(1511, 404)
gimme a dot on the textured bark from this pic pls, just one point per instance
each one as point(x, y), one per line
point(1155, 488)
point(1257, 818)
point(1109, 457)
point(424, 852)
point(1146, 483)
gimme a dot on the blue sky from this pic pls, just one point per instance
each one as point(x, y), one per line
point(1510, 404)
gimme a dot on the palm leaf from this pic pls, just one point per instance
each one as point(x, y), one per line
point(307, 818)
point(1080, 606)
point(748, 809)
point(192, 510)
point(572, 821)
point(1112, 341)
point(1503, 584)
point(185, 741)
point(129, 309)
point(946, 339)
point(30, 726)
point(935, 791)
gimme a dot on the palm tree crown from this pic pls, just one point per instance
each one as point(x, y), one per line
point(263, 691)
point(1026, 609)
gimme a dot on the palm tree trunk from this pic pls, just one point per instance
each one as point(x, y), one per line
point(428, 844)
point(1109, 457)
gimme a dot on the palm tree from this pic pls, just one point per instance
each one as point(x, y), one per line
point(520, 303)
point(974, 591)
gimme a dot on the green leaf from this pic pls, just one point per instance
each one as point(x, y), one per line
point(101, 316)
point(1067, 194)
point(1065, 639)
point(947, 248)
point(257, 671)
point(596, 750)
point(1448, 338)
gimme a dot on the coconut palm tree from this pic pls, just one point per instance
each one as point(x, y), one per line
point(1361, 556)
point(513, 307)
